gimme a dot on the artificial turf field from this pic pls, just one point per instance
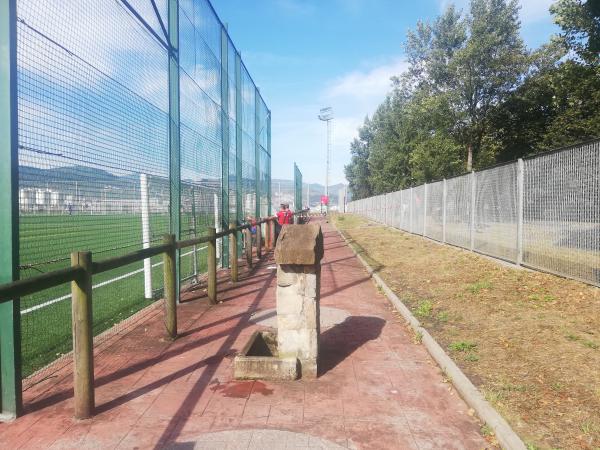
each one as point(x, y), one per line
point(46, 332)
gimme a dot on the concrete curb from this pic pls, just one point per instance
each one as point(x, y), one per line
point(508, 439)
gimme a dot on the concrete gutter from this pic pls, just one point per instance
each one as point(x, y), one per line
point(508, 439)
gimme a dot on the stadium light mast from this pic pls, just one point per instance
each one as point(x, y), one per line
point(326, 115)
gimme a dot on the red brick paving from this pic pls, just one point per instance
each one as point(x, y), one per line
point(377, 389)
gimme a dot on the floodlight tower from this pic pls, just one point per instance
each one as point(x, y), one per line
point(326, 115)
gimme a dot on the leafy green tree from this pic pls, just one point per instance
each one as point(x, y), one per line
point(357, 171)
point(580, 23)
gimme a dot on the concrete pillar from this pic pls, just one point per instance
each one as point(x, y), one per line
point(298, 256)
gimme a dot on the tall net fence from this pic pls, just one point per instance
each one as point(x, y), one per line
point(100, 137)
point(542, 212)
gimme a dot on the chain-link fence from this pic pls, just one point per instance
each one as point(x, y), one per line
point(542, 212)
point(135, 119)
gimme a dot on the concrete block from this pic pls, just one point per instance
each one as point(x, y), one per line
point(300, 245)
point(287, 275)
point(260, 360)
point(288, 300)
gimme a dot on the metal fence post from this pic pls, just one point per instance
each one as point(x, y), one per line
point(10, 316)
point(425, 209)
point(239, 214)
point(83, 341)
point(171, 286)
point(444, 197)
point(212, 265)
point(257, 189)
point(520, 208)
point(233, 245)
point(174, 133)
point(473, 209)
point(269, 164)
point(410, 211)
point(224, 144)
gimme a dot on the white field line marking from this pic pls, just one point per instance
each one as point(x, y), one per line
point(104, 283)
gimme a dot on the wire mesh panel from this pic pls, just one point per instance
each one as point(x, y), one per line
point(458, 211)
point(417, 206)
point(94, 150)
point(231, 57)
point(495, 225)
point(201, 133)
point(434, 213)
point(90, 124)
point(248, 145)
point(264, 156)
point(561, 231)
point(394, 202)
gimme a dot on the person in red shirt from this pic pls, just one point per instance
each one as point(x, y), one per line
point(284, 217)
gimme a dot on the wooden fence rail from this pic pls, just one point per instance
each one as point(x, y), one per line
point(80, 276)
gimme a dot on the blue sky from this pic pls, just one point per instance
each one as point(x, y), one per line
point(307, 54)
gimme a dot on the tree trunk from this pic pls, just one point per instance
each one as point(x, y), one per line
point(469, 157)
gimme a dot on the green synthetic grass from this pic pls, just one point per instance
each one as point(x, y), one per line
point(46, 332)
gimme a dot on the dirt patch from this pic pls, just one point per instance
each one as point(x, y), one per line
point(530, 341)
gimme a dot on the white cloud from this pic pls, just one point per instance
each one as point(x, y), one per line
point(366, 86)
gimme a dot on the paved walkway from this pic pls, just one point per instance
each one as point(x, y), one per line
point(377, 389)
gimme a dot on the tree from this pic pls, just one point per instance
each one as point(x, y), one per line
point(357, 172)
point(476, 62)
point(580, 23)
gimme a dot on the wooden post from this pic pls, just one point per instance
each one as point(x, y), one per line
point(248, 246)
point(212, 266)
point(170, 287)
point(233, 253)
point(258, 241)
point(83, 345)
point(267, 235)
point(271, 234)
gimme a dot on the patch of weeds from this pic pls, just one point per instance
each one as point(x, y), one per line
point(487, 431)
point(545, 298)
point(471, 357)
point(514, 387)
point(443, 316)
point(462, 346)
point(590, 344)
point(424, 309)
point(531, 446)
point(557, 386)
point(418, 337)
point(475, 288)
point(572, 337)
point(589, 427)
point(493, 396)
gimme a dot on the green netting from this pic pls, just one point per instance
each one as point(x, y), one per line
point(93, 120)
